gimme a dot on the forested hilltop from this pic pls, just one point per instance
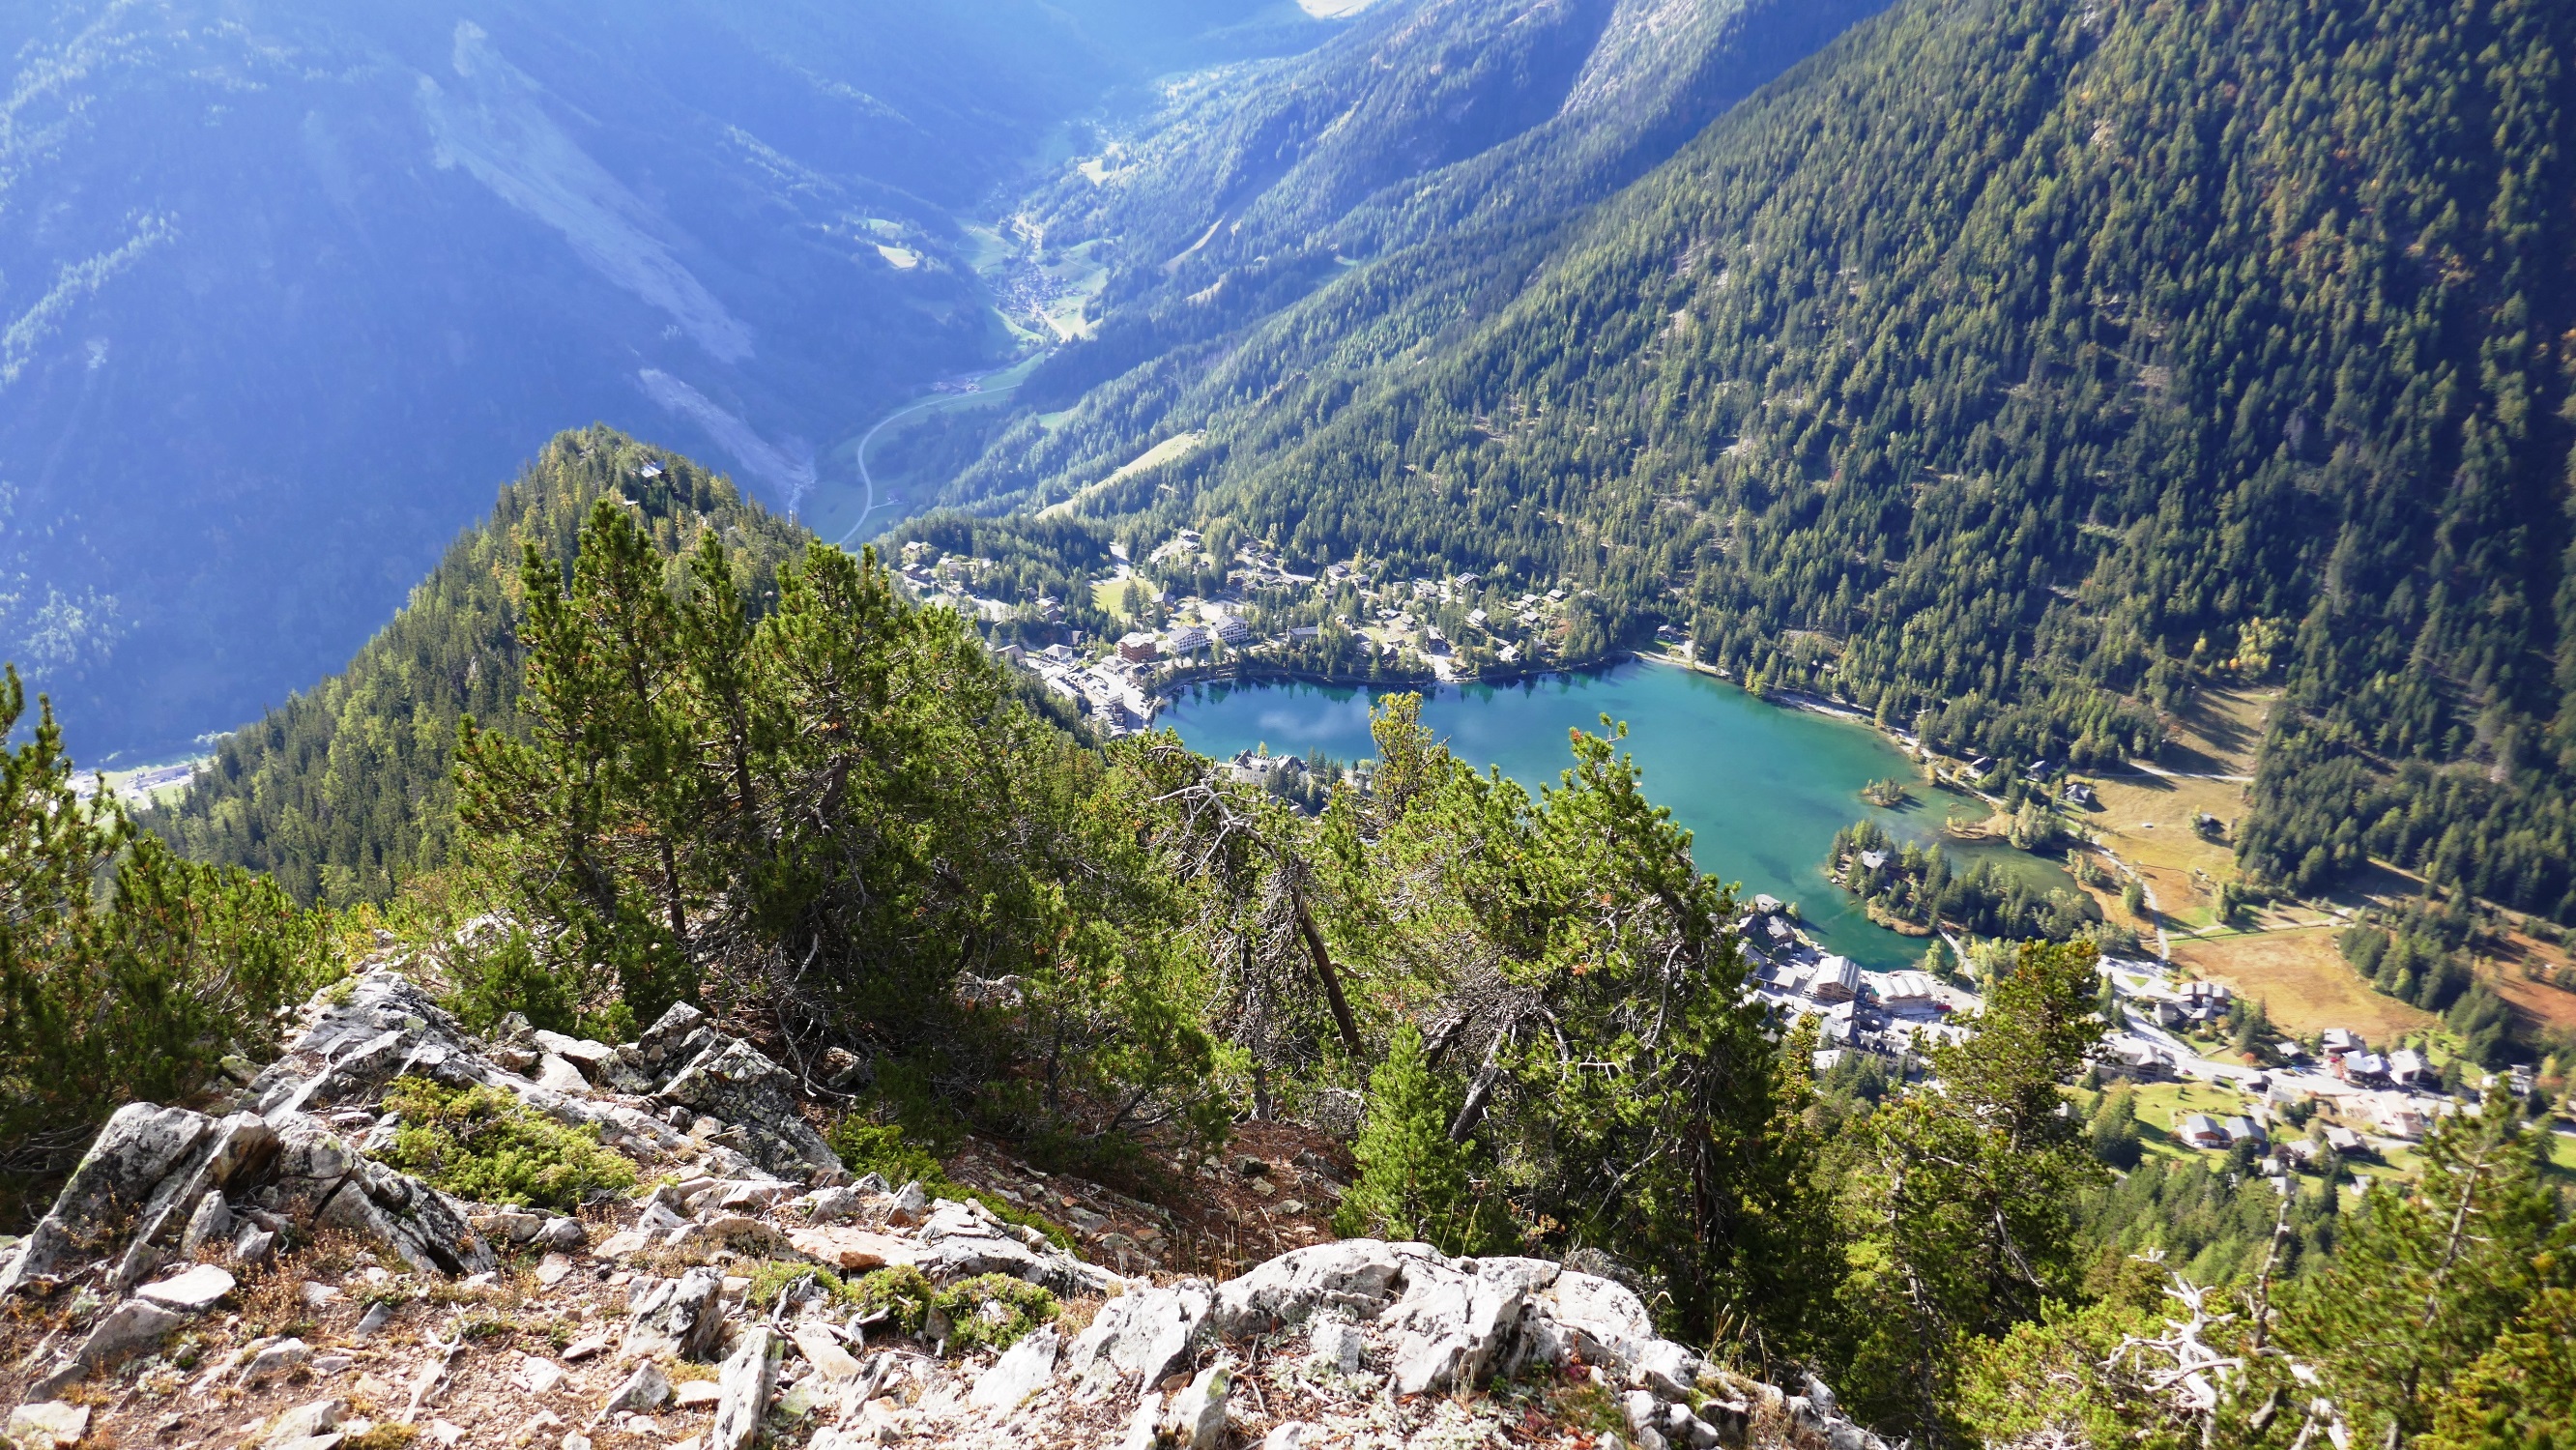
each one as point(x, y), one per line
point(2012, 368)
point(342, 794)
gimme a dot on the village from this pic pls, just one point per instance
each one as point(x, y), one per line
point(2292, 1102)
point(1193, 610)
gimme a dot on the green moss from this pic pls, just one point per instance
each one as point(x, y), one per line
point(483, 1144)
point(989, 1311)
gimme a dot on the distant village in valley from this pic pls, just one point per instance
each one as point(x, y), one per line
point(1194, 610)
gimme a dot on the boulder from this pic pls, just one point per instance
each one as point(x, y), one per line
point(1196, 1420)
point(140, 1148)
point(743, 1389)
point(1141, 1337)
point(825, 1354)
point(1022, 1371)
point(210, 1223)
point(1356, 1276)
point(194, 1290)
point(128, 1329)
point(324, 1179)
point(644, 1390)
point(48, 1425)
point(681, 1315)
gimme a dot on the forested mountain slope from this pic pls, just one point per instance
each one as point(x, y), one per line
point(343, 793)
point(1344, 208)
point(2015, 364)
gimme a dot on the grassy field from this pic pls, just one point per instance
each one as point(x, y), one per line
point(2302, 980)
point(1179, 445)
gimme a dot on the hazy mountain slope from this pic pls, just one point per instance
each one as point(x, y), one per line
point(283, 282)
point(1334, 210)
point(2020, 360)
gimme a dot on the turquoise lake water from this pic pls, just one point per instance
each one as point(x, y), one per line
point(1761, 788)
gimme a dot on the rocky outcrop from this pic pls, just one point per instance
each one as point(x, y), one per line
point(1356, 1341)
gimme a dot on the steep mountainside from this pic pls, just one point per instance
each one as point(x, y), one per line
point(342, 793)
point(2015, 364)
point(283, 282)
point(1344, 209)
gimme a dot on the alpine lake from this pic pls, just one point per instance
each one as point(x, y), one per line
point(1762, 788)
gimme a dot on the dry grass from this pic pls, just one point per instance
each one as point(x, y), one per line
point(2303, 981)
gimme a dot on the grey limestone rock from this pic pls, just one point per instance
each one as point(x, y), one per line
point(742, 1389)
point(1022, 1371)
point(128, 1329)
point(139, 1148)
point(210, 1223)
point(1357, 1276)
point(730, 1080)
point(1140, 1338)
point(1196, 1419)
point(685, 1315)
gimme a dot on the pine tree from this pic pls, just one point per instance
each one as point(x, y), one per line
point(2427, 1275)
point(131, 993)
point(1415, 1182)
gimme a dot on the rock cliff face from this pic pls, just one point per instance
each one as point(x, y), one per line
point(258, 1278)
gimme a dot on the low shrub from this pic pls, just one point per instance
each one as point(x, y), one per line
point(989, 1311)
point(483, 1144)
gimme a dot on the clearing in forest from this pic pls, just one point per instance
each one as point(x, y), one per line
point(2303, 981)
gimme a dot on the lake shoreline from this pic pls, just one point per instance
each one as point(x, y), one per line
point(1761, 790)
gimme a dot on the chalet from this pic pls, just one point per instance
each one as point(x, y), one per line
point(2244, 1130)
point(2342, 1139)
point(2403, 1123)
point(2128, 1057)
point(2078, 793)
point(1508, 654)
point(1056, 654)
point(1872, 860)
point(2361, 1067)
point(2201, 1131)
point(2407, 1067)
point(1837, 979)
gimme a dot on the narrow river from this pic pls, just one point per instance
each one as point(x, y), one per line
point(1761, 788)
